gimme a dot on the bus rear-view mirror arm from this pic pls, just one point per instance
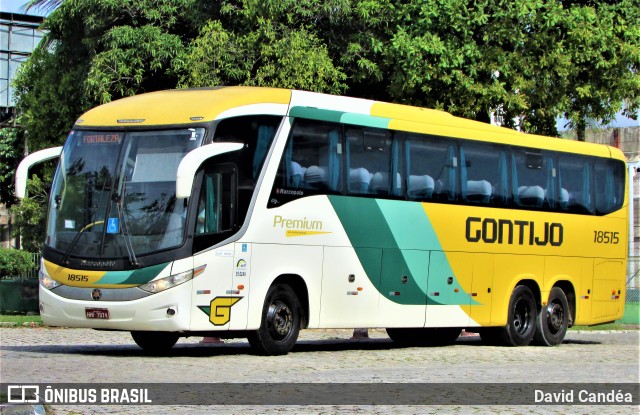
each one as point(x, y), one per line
point(193, 160)
point(22, 173)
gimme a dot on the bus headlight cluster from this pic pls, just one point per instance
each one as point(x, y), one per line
point(171, 281)
point(46, 281)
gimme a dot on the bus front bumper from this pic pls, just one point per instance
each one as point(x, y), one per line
point(167, 310)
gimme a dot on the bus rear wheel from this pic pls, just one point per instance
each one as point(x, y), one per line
point(280, 323)
point(155, 341)
point(553, 320)
point(521, 321)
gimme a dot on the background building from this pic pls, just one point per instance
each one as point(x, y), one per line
point(19, 36)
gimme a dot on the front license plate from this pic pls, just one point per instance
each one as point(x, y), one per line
point(97, 313)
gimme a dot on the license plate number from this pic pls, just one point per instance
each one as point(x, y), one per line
point(97, 313)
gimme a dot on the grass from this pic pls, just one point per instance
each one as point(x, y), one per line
point(21, 320)
point(609, 326)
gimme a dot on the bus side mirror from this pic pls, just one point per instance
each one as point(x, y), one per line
point(193, 160)
point(22, 173)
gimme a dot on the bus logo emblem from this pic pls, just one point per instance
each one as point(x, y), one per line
point(96, 294)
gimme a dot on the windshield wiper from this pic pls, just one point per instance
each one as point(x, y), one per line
point(125, 228)
point(75, 239)
point(86, 226)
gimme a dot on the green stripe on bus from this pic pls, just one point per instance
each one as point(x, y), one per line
point(394, 239)
point(339, 117)
point(377, 249)
point(137, 277)
point(316, 114)
point(365, 120)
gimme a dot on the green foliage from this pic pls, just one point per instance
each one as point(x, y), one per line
point(530, 60)
point(14, 263)
point(10, 154)
point(96, 51)
point(272, 55)
point(132, 56)
point(29, 216)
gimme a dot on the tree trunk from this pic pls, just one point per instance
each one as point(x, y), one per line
point(581, 128)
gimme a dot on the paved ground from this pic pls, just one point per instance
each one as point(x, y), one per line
point(42, 355)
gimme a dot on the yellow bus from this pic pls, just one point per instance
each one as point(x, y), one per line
point(257, 212)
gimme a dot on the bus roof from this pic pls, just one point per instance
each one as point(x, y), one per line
point(179, 106)
point(192, 106)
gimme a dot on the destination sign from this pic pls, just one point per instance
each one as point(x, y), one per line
point(100, 138)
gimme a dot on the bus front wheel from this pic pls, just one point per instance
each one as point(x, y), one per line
point(280, 323)
point(155, 341)
point(553, 320)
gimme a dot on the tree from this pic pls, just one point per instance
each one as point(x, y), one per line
point(29, 215)
point(312, 45)
point(272, 55)
point(44, 5)
point(10, 153)
point(533, 60)
point(603, 41)
point(96, 51)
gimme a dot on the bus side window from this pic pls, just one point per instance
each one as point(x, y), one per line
point(530, 179)
point(575, 183)
point(483, 172)
point(432, 165)
point(369, 162)
point(257, 133)
point(609, 176)
point(312, 157)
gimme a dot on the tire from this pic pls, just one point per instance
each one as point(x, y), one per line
point(280, 323)
point(492, 336)
point(521, 321)
point(404, 336)
point(553, 320)
point(441, 336)
point(438, 336)
point(155, 341)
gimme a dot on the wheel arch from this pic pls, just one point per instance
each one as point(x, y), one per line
point(533, 286)
point(299, 286)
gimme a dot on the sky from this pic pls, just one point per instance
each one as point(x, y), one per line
point(15, 6)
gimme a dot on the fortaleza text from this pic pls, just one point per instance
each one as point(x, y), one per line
point(93, 395)
point(583, 396)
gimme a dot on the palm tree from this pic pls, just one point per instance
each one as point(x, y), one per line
point(45, 5)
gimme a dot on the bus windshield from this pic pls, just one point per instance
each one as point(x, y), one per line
point(114, 193)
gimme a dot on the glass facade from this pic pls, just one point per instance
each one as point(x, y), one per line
point(19, 36)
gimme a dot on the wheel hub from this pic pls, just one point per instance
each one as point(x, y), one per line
point(280, 318)
point(555, 316)
point(521, 317)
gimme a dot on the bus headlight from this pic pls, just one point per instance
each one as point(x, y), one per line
point(47, 282)
point(172, 280)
